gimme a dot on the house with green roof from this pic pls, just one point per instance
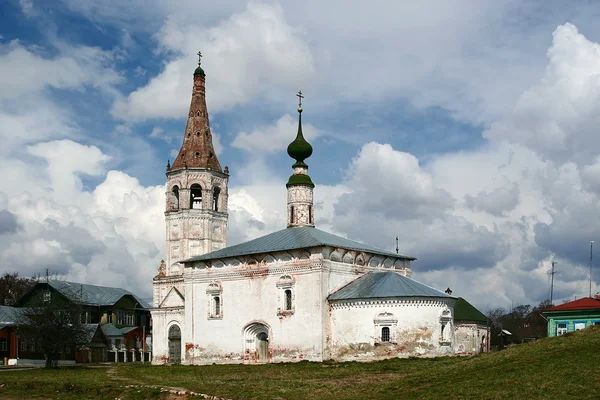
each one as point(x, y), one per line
point(472, 329)
point(299, 293)
point(119, 321)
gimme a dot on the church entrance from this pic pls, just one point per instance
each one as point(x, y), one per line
point(256, 337)
point(175, 344)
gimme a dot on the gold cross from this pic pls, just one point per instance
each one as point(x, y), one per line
point(300, 97)
point(199, 57)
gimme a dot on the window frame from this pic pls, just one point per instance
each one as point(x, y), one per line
point(285, 284)
point(559, 331)
point(214, 291)
point(3, 344)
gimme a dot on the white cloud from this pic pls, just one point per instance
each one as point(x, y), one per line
point(497, 202)
point(23, 71)
point(276, 137)
point(247, 55)
point(558, 117)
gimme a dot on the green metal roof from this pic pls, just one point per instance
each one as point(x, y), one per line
point(464, 311)
point(299, 237)
point(381, 284)
point(94, 295)
point(111, 330)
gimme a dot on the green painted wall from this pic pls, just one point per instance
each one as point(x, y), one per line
point(590, 317)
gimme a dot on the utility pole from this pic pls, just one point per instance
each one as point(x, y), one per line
point(591, 252)
point(552, 284)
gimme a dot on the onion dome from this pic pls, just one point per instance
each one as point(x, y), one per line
point(299, 149)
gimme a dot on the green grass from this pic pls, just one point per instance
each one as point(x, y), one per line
point(566, 367)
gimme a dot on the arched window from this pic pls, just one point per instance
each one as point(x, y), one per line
point(385, 334)
point(288, 299)
point(196, 196)
point(292, 214)
point(175, 198)
point(216, 193)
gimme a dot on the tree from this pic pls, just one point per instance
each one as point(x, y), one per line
point(54, 321)
point(12, 288)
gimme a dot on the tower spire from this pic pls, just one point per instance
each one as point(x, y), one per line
point(197, 150)
point(300, 186)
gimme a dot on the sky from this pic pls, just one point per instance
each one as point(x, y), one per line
point(467, 129)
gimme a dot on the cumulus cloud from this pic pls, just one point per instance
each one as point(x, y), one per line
point(497, 202)
point(558, 117)
point(246, 55)
point(20, 69)
point(391, 183)
point(8, 222)
point(272, 138)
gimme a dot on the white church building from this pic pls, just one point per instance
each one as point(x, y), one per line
point(296, 294)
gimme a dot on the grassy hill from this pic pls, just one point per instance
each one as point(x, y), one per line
point(567, 367)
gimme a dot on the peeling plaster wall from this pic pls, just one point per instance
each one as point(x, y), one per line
point(417, 332)
point(250, 290)
point(471, 338)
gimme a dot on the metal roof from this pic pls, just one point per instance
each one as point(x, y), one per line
point(110, 330)
point(8, 315)
point(381, 284)
point(464, 311)
point(94, 295)
point(585, 303)
point(300, 237)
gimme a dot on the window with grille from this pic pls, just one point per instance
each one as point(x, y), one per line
point(385, 334)
point(3, 344)
point(288, 299)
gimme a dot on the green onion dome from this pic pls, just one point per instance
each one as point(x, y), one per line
point(299, 149)
point(199, 70)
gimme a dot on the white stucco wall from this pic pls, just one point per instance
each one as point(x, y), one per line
point(356, 336)
point(250, 291)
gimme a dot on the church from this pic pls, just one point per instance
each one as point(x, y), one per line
point(296, 294)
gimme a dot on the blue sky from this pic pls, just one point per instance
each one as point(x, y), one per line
point(467, 129)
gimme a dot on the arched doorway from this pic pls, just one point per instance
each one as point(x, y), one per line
point(256, 337)
point(175, 344)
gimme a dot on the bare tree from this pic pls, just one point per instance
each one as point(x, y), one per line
point(54, 321)
point(12, 287)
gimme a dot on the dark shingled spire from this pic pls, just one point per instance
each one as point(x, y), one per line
point(197, 150)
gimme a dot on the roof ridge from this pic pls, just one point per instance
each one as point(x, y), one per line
point(86, 284)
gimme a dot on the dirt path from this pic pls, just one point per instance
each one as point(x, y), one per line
point(172, 393)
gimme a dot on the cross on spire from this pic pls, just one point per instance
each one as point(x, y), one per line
point(199, 58)
point(300, 97)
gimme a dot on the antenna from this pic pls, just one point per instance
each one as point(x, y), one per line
point(46, 275)
point(397, 245)
point(591, 252)
point(552, 284)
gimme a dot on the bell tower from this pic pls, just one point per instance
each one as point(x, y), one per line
point(196, 190)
